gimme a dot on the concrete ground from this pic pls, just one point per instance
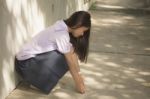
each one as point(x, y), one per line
point(118, 66)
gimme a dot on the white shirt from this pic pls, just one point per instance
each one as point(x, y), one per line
point(55, 37)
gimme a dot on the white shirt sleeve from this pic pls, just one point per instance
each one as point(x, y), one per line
point(63, 44)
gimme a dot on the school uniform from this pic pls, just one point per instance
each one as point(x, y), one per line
point(41, 61)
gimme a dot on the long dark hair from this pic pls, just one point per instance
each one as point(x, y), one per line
point(80, 44)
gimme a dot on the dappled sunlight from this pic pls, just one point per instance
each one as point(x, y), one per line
point(94, 21)
point(28, 20)
point(133, 33)
point(112, 64)
point(91, 73)
point(6, 72)
point(147, 49)
point(103, 61)
point(130, 73)
point(29, 10)
point(146, 84)
point(87, 64)
point(121, 4)
point(114, 75)
point(21, 20)
point(132, 69)
point(114, 70)
point(110, 6)
point(119, 86)
point(96, 56)
point(109, 21)
point(117, 21)
point(119, 32)
point(144, 73)
point(107, 97)
point(98, 59)
point(108, 45)
point(91, 81)
point(94, 84)
point(126, 96)
point(105, 80)
point(5, 75)
point(108, 1)
point(99, 23)
point(128, 17)
point(119, 35)
point(127, 60)
point(62, 95)
point(140, 80)
point(112, 21)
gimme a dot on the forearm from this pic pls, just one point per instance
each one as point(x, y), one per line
point(75, 59)
point(74, 72)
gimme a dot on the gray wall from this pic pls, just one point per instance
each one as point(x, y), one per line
point(19, 21)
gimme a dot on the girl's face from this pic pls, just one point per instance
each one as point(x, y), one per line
point(79, 31)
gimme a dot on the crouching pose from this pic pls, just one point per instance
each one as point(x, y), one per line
point(55, 50)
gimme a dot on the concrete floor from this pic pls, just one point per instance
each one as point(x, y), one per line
point(119, 61)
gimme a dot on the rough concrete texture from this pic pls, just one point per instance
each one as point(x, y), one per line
point(118, 65)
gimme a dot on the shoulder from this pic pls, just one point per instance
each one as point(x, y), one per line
point(61, 30)
point(60, 26)
point(64, 35)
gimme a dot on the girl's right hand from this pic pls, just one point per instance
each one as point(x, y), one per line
point(81, 87)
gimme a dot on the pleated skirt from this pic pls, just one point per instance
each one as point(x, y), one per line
point(43, 71)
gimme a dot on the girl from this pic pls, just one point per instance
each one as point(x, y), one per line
point(55, 50)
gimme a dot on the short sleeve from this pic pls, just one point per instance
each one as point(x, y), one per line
point(63, 44)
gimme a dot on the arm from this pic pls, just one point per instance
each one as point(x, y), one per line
point(75, 59)
point(74, 70)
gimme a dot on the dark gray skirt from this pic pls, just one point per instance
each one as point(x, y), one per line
point(43, 71)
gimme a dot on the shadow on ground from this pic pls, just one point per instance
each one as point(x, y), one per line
point(118, 63)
